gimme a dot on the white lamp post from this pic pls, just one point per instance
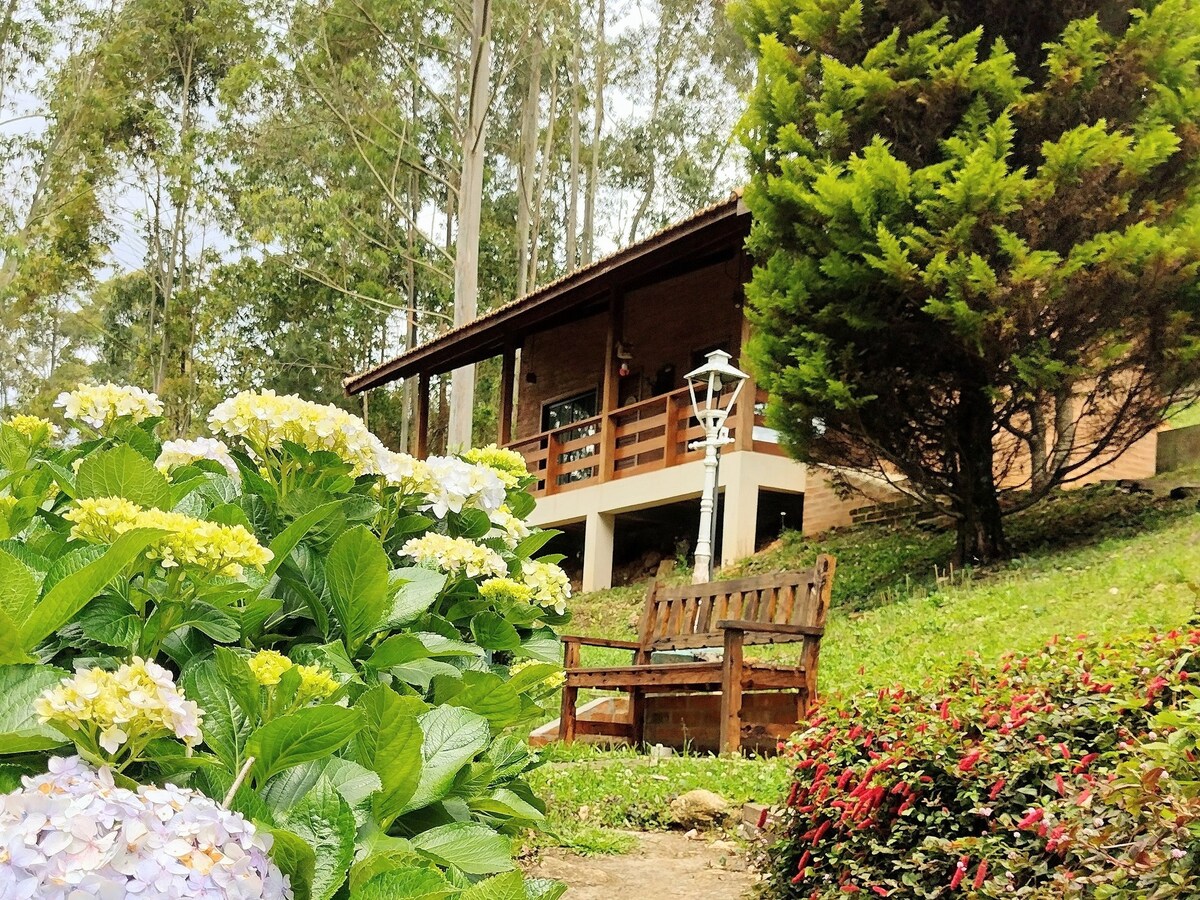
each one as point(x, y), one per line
point(719, 384)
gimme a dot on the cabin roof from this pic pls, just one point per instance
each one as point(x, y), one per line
point(686, 245)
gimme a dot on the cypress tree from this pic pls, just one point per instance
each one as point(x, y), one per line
point(977, 238)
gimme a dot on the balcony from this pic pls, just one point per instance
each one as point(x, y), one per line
point(647, 436)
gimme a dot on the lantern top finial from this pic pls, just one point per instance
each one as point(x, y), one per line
point(718, 363)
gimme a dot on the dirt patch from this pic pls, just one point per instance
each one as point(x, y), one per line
point(665, 864)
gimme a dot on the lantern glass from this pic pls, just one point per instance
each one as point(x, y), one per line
point(711, 402)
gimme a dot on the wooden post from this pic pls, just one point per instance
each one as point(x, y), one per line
point(507, 378)
point(731, 691)
point(823, 571)
point(566, 718)
point(610, 389)
point(422, 424)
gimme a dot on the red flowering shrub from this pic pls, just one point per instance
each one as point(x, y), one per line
point(1065, 774)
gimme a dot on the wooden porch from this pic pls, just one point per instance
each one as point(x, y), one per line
point(643, 437)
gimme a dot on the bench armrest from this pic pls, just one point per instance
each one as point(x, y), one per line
point(770, 628)
point(599, 642)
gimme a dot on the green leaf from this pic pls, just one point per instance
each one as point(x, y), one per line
point(123, 472)
point(468, 846)
point(472, 524)
point(390, 745)
point(216, 623)
point(239, 680)
point(18, 589)
point(306, 734)
point(542, 645)
point(509, 886)
point(415, 590)
point(489, 696)
point(225, 725)
point(71, 594)
point(521, 503)
point(20, 730)
point(295, 858)
point(356, 574)
point(323, 818)
point(534, 543)
point(287, 539)
point(452, 737)
point(112, 621)
point(409, 883)
point(544, 889)
point(492, 632)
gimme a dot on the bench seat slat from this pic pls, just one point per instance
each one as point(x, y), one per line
point(696, 676)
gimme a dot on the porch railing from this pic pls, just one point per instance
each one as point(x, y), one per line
point(642, 437)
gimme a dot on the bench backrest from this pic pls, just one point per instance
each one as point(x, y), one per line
point(683, 617)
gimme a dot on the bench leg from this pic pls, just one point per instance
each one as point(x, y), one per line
point(637, 717)
point(566, 718)
point(731, 693)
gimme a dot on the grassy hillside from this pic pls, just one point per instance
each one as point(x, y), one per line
point(1096, 560)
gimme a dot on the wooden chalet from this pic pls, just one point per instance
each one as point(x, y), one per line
point(593, 395)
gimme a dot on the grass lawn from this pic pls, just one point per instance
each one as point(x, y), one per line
point(1095, 560)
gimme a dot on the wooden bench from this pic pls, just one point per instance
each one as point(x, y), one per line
point(767, 609)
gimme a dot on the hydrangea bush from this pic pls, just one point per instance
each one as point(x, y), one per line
point(278, 661)
point(1069, 773)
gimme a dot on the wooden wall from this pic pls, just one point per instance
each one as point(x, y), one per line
point(663, 323)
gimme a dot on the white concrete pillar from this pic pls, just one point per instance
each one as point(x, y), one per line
point(740, 520)
point(598, 551)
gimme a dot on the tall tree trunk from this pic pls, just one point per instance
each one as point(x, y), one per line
point(593, 179)
point(573, 174)
point(980, 536)
point(470, 210)
point(527, 161)
point(543, 176)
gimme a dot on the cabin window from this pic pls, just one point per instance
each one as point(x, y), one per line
point(562, 413)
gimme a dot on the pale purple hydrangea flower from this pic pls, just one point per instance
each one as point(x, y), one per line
point(72, 834)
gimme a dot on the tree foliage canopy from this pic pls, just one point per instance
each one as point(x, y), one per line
point(977, 237)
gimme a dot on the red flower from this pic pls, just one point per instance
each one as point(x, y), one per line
point(965, 764)
point(1032, 818)
point(1085, 761)
point(960, 872)
point(980, 874)
point(996, 789)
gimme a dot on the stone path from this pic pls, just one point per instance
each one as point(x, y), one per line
point(664, 865)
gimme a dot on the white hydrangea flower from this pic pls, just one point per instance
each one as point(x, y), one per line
point(99, 404)
point(508, 527)
point(182, 452)
point(550, 584)
point(266, 420)
point(454, 556)
point(72, 834)
point(455, 485)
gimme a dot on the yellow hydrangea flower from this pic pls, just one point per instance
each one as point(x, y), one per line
point(266, 419)
point(268, 666)
point(220, 549)
point(35, 429)
point(499, 591)
point(508, 464)
point(454, 556)
point(316, 683)
point(137, 702)
point(99, 404)
point(549, 583)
